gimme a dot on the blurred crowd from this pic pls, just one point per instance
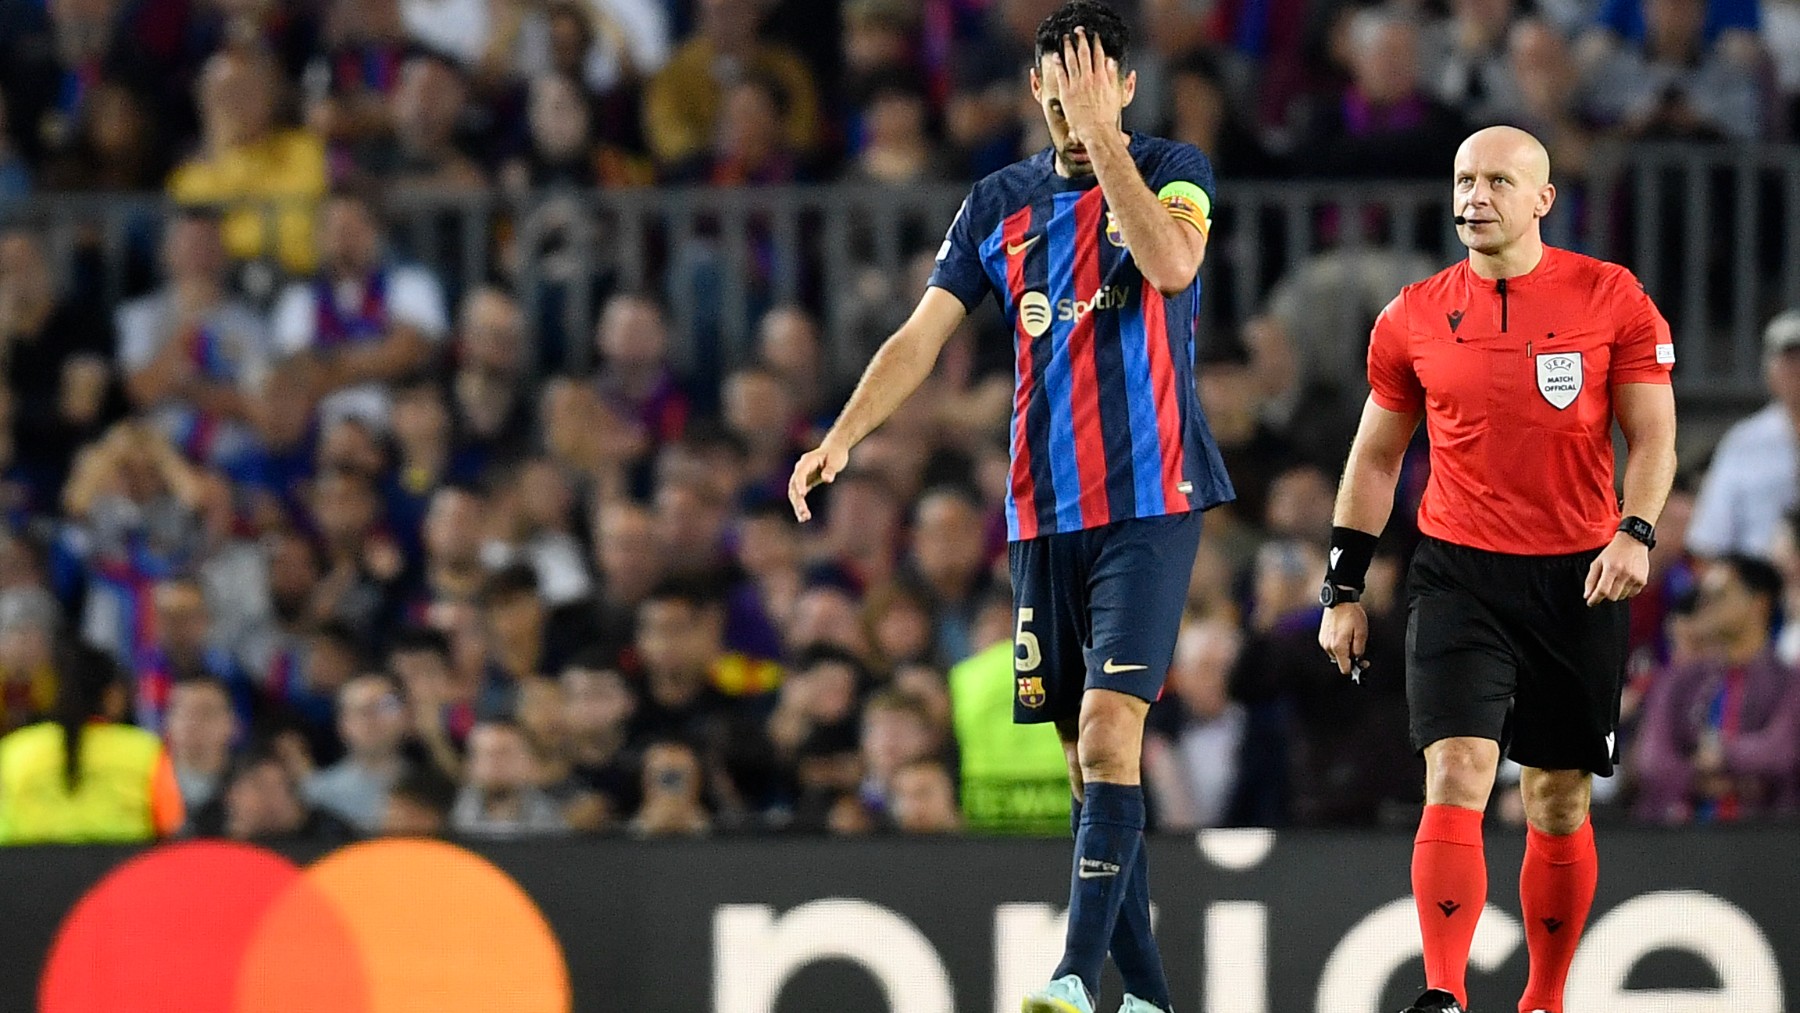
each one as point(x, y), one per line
point(368, 562)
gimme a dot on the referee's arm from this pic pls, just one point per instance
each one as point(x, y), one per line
point(1365, 499)
point(1366, 496)
point(1646, 414)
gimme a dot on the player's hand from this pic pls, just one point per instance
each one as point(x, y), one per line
point(816, 467)
point(1087, 85)
point(1620, 571)
point(1344, 633)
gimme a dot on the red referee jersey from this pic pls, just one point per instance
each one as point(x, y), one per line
point(1515, 378)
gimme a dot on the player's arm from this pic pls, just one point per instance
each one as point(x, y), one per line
point(903, 362)
point(1167, 241)
point(1167, 247)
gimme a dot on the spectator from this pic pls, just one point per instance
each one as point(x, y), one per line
point(1720, 737)
point(1202, 113)
point(561, 37)
point(191, 353)
point(421, 156)
point(262, 802)
point(333, 656)
point(862, 529)
point(441, 706)
point(672, 793)
point(29, 621)
point(896, 730)
point(275, 470)
point(598, 709)
point(361, 321)
point(134, 499)
point(681, 647)
point(86, 777)
point(180, 648)
point(246, 161)
point(826, 612)
point(1752, 481)
point(1384, 124)
point(271, 643)
point(561, 154)
point(684, 102)
point(490, 401)
point(691, 519)
point(768, 552)
point(1194, 747)
point(361, 561)
point(1467, 61)
point(452, 536)
point(761, 411)
point(897, 148)
point(419, 804)
point(426, 458)
point(372, 722)
point(1300, 505)
point(1786, 560)
point(924, 799)
point(1673, 85)
point(201, 730)
point(629, 565)
point(513, 616)
point(538, 507)
point(58, 367)
point(353, 74)
point(788, 344)
point(636, 380)
point(813, 731)
point(501, 799)
point(898, 619)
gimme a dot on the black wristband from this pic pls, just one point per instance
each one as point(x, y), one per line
point(1351, 553)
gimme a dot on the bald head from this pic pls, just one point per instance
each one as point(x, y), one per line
point(1502, 190)
point(1506, 147)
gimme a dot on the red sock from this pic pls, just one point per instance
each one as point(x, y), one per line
point(1449, 878)
point(1556, 888)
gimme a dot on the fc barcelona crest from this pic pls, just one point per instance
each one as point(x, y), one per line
point(1114, 234)
point(1031, 690)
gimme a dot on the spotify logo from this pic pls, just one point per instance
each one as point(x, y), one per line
point(1034, 313)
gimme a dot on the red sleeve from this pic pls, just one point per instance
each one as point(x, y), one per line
point(1643, 348)
point(1392, 381)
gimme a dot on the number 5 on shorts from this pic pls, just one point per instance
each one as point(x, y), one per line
point(1026, 641)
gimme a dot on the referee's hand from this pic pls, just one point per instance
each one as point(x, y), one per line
point(1344, 633)
point(1620, 571)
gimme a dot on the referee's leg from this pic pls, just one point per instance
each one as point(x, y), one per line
point(1557, 880)
point(1449, 863)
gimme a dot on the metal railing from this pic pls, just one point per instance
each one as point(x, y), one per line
point(1713, 232)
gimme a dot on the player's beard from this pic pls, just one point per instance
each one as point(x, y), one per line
point(1070, 165)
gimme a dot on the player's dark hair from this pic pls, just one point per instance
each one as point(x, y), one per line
point(1097, 18)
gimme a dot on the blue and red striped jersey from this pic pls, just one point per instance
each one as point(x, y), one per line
point(1106, 421)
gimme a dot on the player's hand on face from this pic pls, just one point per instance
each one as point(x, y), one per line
point(1087, 83)
point(816, 467)
point(1619, 572)
point(1344, 634)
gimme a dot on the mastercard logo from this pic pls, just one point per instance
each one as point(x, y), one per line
point(390, 926)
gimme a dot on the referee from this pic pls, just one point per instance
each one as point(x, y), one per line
point(1518, 359)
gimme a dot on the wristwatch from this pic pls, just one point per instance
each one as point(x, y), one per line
point(1640, 529)
point(1331, 595)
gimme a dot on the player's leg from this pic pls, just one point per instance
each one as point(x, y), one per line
point(1460, 679)
point(1137, 586)
point(1133, 945)
point(1566, 717)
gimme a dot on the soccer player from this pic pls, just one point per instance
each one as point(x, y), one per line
point(1093, 247)
point(1519, 359)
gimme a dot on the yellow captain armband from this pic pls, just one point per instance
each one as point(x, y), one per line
point(1189, 203)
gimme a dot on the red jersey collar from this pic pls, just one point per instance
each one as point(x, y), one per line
point(1546, 267)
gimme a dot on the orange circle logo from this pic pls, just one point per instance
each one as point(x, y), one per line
point(389, 926)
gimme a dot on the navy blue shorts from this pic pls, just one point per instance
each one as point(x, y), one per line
point(1098, 609)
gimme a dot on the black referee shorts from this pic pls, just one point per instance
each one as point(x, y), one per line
point(1504, 647)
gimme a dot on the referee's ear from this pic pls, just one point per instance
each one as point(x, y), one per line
point(1546, 199)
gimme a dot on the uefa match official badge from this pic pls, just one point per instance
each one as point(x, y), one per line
point(1559, 378)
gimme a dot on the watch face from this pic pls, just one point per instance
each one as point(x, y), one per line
point(1328, 596)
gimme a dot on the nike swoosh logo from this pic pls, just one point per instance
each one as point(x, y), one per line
point(1014, 249)
point(1113, 669)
